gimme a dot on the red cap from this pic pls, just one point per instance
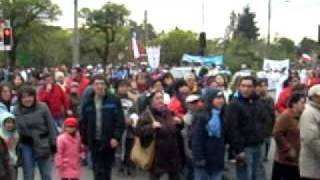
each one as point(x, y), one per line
point(71, 122)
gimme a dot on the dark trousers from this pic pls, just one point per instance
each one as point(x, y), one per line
point(171, 176)
point(102, 159)
point(285, 172)
point(69, 179)
point(309, 179)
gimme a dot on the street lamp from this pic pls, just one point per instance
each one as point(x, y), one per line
point(76, 40)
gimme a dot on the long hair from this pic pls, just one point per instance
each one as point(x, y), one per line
point(28, 90)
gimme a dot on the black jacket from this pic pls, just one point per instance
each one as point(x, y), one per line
point(113, 123)
point(247, 121)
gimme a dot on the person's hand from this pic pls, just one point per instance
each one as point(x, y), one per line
point(114, 143)
point(177, 120)
point(69, 113)
point(49, 87)
point(156, 125)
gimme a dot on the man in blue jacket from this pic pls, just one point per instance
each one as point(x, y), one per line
point(101, 126)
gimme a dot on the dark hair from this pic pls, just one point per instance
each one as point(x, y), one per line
point(121, 83)
point(26, 89)
point(261, 81)
point(248, 78)
point(36, 75)
point(178, 84)
point(295, 98)
point(99, 77)
point(2, 86)
point(17, 75)
point(150, 97)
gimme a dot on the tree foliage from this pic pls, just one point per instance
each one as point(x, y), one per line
point(246, 25)
point(23, 14)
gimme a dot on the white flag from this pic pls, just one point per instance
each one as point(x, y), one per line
point(135, 48)
point(153, 56)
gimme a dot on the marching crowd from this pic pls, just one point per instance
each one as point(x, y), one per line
point(187, 128)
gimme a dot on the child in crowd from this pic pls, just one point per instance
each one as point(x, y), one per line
point(68, 157)
point(9, 134)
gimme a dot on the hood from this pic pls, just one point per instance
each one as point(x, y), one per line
point(211, 94)
point(3, 117)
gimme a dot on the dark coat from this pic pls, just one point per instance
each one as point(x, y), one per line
point(208, 152)
point(4, 161)
point(168, 157)
point(113, 123)
point(247, 122)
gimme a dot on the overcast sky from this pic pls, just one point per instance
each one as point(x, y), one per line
point(290, 18)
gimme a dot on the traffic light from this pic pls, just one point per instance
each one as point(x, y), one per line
point(7, 36)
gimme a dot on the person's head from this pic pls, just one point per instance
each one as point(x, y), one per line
point(71, 125)
point(122, 87)
point(74, 88)
point(59, 77)
point(211, 82)
point(221, 80)
point(141, 79)
point(99, 85)
point(156, 86)
point(247, 86)
point(182, 89)
point(48, 78)
point(194, 103)
point(293, 80)
point(214, 99)
point(5, 93)
point(35, 77)
point(76, 73)
point(262, 87)
point(9, 124)
point(167, 79)
point(190, 79)
point(18, 80)
point(297, 102)
point(27, 96)
point(314, 94)
point(156, 100)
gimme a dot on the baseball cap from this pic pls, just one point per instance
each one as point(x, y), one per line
point(192, 98)
point(71, 122)
point(314, 90)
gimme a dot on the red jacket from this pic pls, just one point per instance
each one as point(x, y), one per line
point(176, 106)
point(284, 96)
point(56, 100)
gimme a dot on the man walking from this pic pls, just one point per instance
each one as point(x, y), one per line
point(247, 120)
point(102, 125)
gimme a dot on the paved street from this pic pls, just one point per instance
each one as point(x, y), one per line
point(143, 176)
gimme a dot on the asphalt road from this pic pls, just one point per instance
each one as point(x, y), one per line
point(87, 174)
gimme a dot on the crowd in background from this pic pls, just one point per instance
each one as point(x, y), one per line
point(67, 118)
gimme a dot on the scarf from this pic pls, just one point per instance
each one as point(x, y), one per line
point(214, 124)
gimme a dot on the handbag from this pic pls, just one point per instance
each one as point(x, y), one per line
point(143, 156)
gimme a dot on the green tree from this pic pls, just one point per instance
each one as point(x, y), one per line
point(175, 43)
point(246, 26)
point(309, 45)
point(22, 15)
point(106, 22)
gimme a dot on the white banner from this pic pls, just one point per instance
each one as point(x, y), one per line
point(153, 57)
point(276, 65)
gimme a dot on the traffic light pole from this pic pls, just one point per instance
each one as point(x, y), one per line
point(76, 39)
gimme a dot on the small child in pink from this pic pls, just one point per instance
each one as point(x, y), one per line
point(68, 157)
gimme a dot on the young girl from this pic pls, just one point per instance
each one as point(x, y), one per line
point(68, 157)
point(10, 135)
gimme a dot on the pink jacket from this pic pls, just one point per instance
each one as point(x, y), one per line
point(68, 157)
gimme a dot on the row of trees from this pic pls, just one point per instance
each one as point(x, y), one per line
point(106, 37)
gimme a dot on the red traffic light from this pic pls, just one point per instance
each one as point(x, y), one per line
point(7, 32)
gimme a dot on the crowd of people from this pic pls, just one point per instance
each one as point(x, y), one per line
point(196, 125)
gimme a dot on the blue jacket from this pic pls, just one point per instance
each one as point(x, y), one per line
point(113, 123)
point(208, 152)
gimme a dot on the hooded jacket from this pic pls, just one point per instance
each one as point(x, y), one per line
point(208, 151)
point(11, 138)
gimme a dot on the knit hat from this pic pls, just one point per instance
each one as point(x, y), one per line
point(71, 122)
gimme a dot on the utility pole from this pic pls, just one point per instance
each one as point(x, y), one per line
point(146, 33)
point(76, 39)
point(269, 21)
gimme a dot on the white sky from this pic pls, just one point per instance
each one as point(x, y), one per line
point(294, 19)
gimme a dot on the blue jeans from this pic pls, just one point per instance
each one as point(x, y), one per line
point(202, 174)
point(29, 162)
point(252, 168)
point(188, 170)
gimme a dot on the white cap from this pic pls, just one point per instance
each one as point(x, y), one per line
point(189, 76)
point(192, 98)
point(314, 90)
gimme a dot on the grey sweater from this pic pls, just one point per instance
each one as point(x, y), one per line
point(36, 128)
